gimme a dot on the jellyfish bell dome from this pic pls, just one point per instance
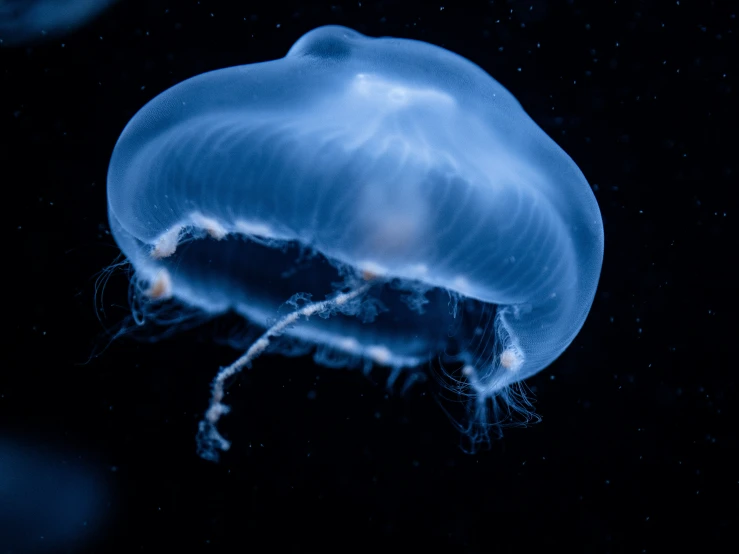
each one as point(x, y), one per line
point(387, 165)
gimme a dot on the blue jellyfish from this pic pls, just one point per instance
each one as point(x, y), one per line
point(23, 21)
point(381, 201)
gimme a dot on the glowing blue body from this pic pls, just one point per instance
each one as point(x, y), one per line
point(27, 20)
point(391, 157)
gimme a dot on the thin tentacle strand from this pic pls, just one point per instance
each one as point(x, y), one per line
point(209, 440)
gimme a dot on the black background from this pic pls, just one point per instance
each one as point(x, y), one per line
point(637, 448)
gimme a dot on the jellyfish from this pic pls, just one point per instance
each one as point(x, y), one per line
point(23, 21)
point(379, 201)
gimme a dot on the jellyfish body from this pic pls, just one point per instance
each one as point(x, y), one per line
point(23, 21)
point(388, 164)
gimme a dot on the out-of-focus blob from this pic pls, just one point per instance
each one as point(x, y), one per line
point(24, 21)
point(50, 501)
